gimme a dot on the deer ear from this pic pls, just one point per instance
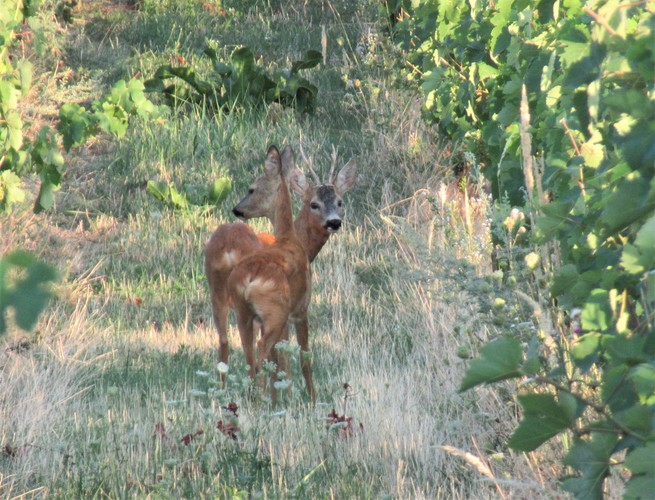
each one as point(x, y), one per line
point(273, 163)
point(346, 177)
point(298, 181)
point(288, 160)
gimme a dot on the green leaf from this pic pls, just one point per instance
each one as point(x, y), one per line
point(113, 119)
point(75, 125)
point(10, 190)
point(643, 378)
point(499, 360)
point(25, 71)
point(565, 279)
point(641, 464)
point(630, 200)
point(310, 59)
point(14, 130)
point(591, 458)
point(177, 199)
point(596, 312)
point(219, 190)
point(8, 96)
point(159, 189)
point(543, 418)
point(586, 350)
point(26, 290)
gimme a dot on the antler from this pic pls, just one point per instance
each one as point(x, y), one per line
point(310, 164)
point(333, 157)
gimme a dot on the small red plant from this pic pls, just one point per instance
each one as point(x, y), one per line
point(342, 424)
point(190, 437)
point(229, 426)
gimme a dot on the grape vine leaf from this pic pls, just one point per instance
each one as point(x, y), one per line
point(640, 462)
point(499, 360)
point(591, 457)
point(543, 418)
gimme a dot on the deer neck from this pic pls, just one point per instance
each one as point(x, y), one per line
point(283, 222)
point(312, 236)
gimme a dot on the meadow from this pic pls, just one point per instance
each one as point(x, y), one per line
point(117, 392)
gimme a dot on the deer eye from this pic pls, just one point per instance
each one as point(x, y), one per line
point(339, 203)
point(251, 190)
point(314, 206)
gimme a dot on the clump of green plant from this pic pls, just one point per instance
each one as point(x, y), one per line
point(198, 195)
point(239, 83)
point(561, 96)
point(21, 155)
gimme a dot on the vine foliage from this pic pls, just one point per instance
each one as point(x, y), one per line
point(557, 101)
point(24, 281)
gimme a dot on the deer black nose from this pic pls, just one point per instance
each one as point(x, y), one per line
point(333, 224)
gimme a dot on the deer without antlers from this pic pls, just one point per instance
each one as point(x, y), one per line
point(273, 286)
point(320, 216)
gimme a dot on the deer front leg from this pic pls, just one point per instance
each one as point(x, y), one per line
point(302, 333)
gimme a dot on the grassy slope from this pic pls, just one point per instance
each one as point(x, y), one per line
point(124, 365)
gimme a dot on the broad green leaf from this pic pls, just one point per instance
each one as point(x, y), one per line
point(543, 418)
point(616, 390)
point(586, 350)
point(159, 189)
point(641, 464)
point(75, 125)
point(177, 199)
point(564, 280)
point(636, 418)
point(8, 96)
point(219, 190)
point(311, 59)
point(25, 70)
point(591, 458)
point(499, 360)
point(633, 261)
point(596, 313)
point(629, 201)
point(643, 377)
point(10, 190)
point(14, 130)
point(113, 119)
point(28, 293)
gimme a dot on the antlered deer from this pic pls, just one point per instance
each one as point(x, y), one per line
point(320, 216)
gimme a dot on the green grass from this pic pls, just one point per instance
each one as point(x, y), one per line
point(123, 363)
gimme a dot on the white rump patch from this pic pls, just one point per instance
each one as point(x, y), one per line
point(230, 259)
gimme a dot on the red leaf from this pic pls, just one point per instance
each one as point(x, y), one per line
point(229, 429)
point(232, 407)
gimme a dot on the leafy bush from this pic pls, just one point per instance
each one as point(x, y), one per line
point(20, 155)
point(557, 100)
point(241, 83)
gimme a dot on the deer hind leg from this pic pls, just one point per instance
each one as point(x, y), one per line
point(302, 333)
point(220, 310)
point(275, 330)
point(245, 323)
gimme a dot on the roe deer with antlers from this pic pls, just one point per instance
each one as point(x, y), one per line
point(320, 216)
point(273, 285)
